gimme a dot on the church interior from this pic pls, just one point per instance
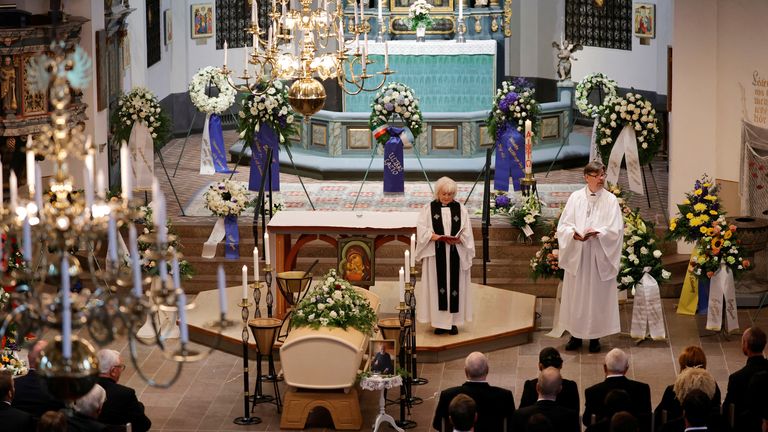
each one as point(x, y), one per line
point(244, 199)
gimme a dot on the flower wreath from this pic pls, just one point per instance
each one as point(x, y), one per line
point(227, 198)
point(395, 99)
point(514, 103)
point(270, 106)
point(141, 105)
point(585, 87)
point(633, 110)
point(199, 85)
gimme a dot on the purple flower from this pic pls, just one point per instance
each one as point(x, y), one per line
point(508, 100)
point(502, 201)
point(521, 83)
point(388, 106)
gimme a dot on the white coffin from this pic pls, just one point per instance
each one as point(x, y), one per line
point(325, 358)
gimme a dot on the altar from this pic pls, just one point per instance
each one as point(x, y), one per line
point(446, 76)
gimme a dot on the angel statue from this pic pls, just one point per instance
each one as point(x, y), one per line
point(565, 50)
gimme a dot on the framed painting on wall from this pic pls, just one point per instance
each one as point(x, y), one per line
point(153, 32)
point(356, 260)
point(202, 20)
point(644, 20)
point(168, 25)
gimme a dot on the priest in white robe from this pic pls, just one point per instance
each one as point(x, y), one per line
point(446, 246)
point(590, 234)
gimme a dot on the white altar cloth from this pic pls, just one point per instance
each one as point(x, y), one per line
point(450, 47)
point(312, 221)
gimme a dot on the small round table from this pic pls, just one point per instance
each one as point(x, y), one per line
point(381, 383)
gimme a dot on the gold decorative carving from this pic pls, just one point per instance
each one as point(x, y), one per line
point(8, 85)
point(8, 40)
point(495, 3)
point(494, 24)
point(508, 18)
point(32, 103)
point(10, 142)
point(478, 23)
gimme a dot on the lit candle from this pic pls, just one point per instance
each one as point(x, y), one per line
point(266, 248)
point(125, 171)
point(255, 265)
point(26, 250)
point(176, 271)
point(112, 238)
point(225, 53)
point(461, 10)
point(381, 16)
point(386, 55)
point(407, 265)
point(66, 309)
point(182, 305)
point(30, 167)
point(222, 290)
point(528, 148)
point(101, 189)
point(245, 282)
point(14, 188)
point(135, 266)
point(402, 285)
point(413, 250)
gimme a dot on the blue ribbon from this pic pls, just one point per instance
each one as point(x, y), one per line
point(231, 238)
point(394, 169)
point(703, 305)
point(264, 138)
point(216, 138)
point(510, 158)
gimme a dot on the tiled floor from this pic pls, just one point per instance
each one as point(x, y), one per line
point(208, 394)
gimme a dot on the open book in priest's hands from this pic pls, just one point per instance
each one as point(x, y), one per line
point(585, 236)
point(451, 239)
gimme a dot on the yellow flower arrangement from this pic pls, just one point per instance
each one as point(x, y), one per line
point(719, 246)
point(700, 206)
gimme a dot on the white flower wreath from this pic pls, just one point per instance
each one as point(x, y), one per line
point(632, 110)
point(585, 87)
point(396, 99)
point(199, 86)
point(227, 198)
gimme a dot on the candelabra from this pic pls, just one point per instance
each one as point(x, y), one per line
point(460, 30)
point(68, 221)
point(405, 390)
point(295, 46)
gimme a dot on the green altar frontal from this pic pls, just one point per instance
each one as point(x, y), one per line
point(446, 76)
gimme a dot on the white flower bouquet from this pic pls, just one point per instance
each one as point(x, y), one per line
point(513, 104)
point(269, 106)
point(396, 99)
point(227, 198)
point(418, 14)
point(10, 361)
point(526, 213)
point(640, 253)
point(204, 79)
point(141, 105)
point(631, 110)
point(334, 303)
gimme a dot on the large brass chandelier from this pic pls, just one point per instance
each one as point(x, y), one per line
point(56, 226)
point(297, 45)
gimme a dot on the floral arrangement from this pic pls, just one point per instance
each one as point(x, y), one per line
point(268, 106)
point(198, 87)
point(527, 213)
point(395, 99)
point(545, 264)
point(227, 198)
point(640, 254)
point(334, 303)
point(514, 103)
point(9, 359)
point(141, 105)
point(699, 208)
point(149, 266)
point(716, 247)
point(631, 110)
point(585, 87)
point(500, 203)
point(418, 14)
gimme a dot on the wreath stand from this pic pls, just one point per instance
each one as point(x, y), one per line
point(173, 189)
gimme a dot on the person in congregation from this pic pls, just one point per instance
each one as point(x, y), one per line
point(52, 421)
point(445, 243)
point(590, 235)
point(86, 411)
point(737, 397)
point(615, 367)
point(12, 419)
point(495, 405)
point(31, 395)
point(548, 386)
point(670, 407)
point(121, 406)
point(696, 412)
point(616, 401)
point(463, 413)
point(624, 421)
point(568, 396)
point(686, 382)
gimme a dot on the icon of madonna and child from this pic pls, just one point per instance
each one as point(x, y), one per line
point(356, 260)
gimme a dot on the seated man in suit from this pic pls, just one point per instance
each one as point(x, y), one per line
point(568, 396)
point(12, 419)
point(615, 368)
point(121, 406)
point(548, 386)
point(696, 412)
point(31, 395)
point(752, 345)
point(623, 421)
point(495, 405)
point(86, 411)
point(463, 413)
point(616, 401)
point(382, 362)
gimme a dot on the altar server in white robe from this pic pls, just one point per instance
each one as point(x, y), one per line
point(446, 245)
point(590, 234)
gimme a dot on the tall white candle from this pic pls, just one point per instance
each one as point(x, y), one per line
point(381, 15)
point(66, 309)
point(528, 148)
point(407, 265)
point(135, 266)
point(255, 265)
point(225, 53)
point(30, 167)
point(266, 249)
point(89, 164)
point(354, 12)
point(14, 188)
point(254, 13)
point(461, 10)
point(386, 55)
point(182, 305)
point(26, 249)
point(413, 250)
point(401, 284)
point(112, 238)
point(38, 191)
point(101, 188)
point(222, 289)
point(125, 171)
point(341, 33)
point(362, 12)
point(245, 282)
point(176, 271)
